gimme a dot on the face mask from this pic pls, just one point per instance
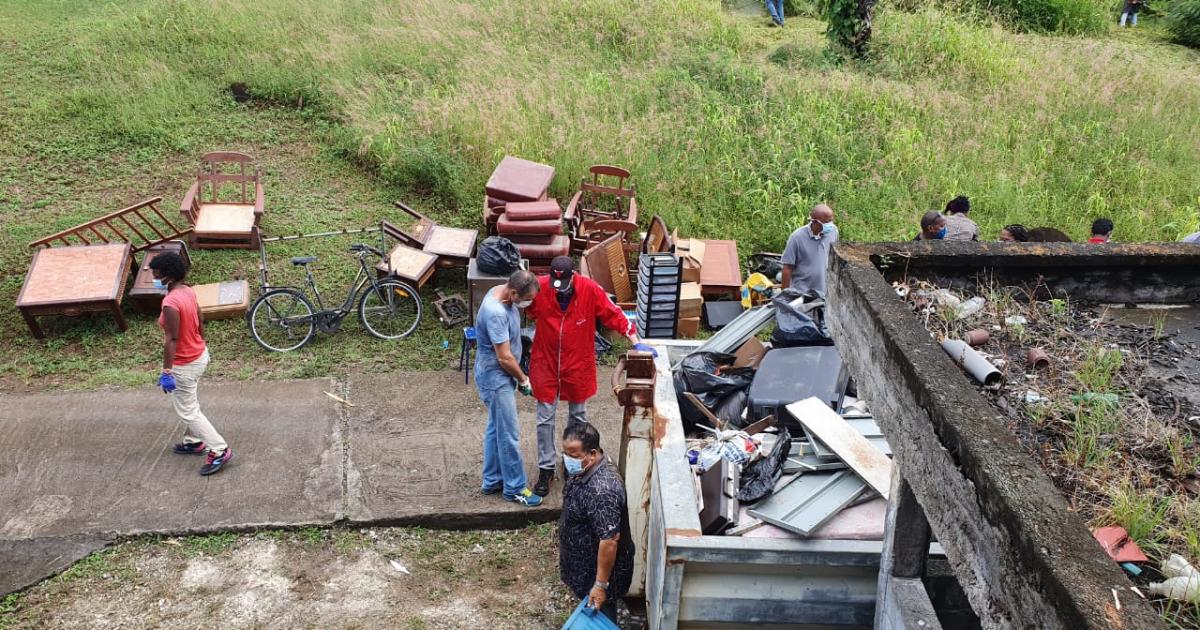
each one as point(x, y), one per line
point(573, 465)
point(827, 228)
point(524, 304)
point(942, 233)
point(160, 284)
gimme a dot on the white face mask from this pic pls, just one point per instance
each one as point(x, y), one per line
point(524, 304)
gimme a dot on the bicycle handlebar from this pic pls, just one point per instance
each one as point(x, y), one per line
point(363, 247)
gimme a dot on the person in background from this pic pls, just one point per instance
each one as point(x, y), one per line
point(933, 227)
point(185, 358)
point(1101, 231)
point(775, 8)
point(1129, 12)
point(958, 226)
point(562, 364)
point(1015, 233)
point(807, 252)
point(498, 377)
point(595, 547)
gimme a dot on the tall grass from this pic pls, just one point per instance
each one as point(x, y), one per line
point(430, 95)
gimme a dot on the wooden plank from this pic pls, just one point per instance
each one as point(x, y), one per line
point(854, 449)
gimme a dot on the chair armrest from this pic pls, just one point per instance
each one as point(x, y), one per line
point(572, 208)
point(632, 218)
point(259, 205)
point(188, 205)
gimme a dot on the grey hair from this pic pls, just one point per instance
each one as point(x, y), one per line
point(523, 282)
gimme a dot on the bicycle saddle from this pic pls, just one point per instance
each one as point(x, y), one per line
point(303, 260)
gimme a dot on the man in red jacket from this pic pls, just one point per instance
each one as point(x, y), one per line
point(562, 363)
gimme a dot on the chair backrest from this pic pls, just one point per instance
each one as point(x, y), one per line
point(226, 167)
point(603, 197)
point(142, 225)
point(417, 235)
point(658, 239)
point(609, 267)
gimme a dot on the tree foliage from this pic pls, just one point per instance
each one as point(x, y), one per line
point(848, 23)
point(1183, 21)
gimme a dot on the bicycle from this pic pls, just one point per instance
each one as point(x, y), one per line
point(283, 318)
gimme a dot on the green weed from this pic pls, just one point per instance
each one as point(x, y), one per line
point(1141, 512)
point(9, 604)
point(1098, 368)
point(208, 544)
point(1185, 460)
point(1093, 432)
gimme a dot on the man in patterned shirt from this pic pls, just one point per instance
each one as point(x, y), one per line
point(595, 549)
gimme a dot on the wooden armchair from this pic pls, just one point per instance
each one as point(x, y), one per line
point(225, 221)
point(602, 208)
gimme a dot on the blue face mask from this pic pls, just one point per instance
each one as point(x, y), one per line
point(573, 465)
point(160, 284)
point(942, 233)
point(827, 228)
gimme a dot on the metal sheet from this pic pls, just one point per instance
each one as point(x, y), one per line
point(809, 461)
point(805, 504)
point(738, 331)
point(863, 424)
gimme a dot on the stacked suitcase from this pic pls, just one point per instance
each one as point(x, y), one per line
point(659, 277)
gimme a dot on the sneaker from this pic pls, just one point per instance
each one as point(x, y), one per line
point(189, 448)
point(545, 478)
point(525, 497)
point(216, 462)
point(492, 490)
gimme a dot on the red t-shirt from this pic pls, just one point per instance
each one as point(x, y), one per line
point(190, 344)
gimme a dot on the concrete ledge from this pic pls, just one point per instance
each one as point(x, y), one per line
point(1022, 558)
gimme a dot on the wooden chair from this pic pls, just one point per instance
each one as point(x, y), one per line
point(602, 208)
point(608, 264)
point(221, 221)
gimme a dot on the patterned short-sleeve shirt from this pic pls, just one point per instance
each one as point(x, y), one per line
point(593, 510)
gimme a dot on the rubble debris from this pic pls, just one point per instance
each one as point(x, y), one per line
point(866, 460)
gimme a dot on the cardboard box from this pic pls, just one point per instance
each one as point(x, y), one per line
point(221, 300)
point(687, 327)
point(691, 250)
point(750, 354)
point(690, 302)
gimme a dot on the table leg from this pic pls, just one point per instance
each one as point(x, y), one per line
point(31, 321)
point(120, 317)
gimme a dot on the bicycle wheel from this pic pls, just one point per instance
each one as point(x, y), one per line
point(281, 320)
point(390, 310)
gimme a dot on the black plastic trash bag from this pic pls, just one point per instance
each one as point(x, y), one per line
point(498, 256)
point(697, 374)
point(730, 409)
point(799, 320)
point(759, 478)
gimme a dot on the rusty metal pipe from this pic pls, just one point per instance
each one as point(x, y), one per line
point(978, 367)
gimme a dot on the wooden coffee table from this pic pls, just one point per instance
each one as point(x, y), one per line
point(75, 280)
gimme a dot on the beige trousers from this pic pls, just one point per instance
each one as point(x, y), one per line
point(197, 428)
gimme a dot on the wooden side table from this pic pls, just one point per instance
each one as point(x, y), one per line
point(721, 273)
point(75, 280)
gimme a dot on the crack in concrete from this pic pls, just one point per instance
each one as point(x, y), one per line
point(342, 387)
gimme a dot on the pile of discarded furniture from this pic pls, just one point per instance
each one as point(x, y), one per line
point(779, 444)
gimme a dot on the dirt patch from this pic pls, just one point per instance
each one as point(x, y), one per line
point(374, 578)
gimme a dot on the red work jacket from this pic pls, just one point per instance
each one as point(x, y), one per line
point(562, 363)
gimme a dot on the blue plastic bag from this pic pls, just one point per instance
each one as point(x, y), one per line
point(587, 618)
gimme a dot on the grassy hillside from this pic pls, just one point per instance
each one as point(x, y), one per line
point(732, 128)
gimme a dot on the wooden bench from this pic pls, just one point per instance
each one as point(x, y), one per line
point(86, 268)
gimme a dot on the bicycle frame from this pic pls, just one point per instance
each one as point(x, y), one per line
point(361, 279)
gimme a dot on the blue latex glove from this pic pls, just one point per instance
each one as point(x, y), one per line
point(645, 348)
point(167, 382)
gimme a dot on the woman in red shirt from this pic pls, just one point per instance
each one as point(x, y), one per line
point(185, 357)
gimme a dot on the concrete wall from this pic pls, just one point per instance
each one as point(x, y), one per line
point(1022, 558)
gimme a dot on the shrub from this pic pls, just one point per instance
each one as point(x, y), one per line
point(1070, 17)
point(1183, 22)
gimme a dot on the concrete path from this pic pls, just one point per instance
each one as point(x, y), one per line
point(82, 469)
